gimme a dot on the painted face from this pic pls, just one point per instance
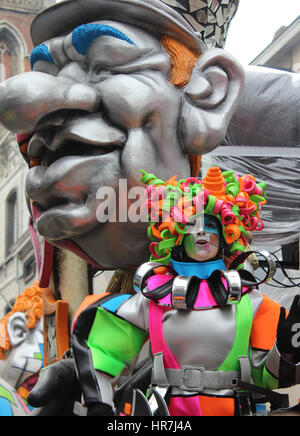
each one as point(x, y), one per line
point(125, 124)
point(202, 240)
point(25, 358)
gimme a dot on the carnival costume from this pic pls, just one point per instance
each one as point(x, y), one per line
point(210, 328)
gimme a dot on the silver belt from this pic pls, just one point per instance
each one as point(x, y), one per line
point(196, 379)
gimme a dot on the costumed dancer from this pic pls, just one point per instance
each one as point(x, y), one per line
point(212, 332)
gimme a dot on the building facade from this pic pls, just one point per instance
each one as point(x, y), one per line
point(284, 51)
point(17, 261)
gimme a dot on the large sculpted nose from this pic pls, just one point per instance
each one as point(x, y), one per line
point(129, 101)
point(26, 98)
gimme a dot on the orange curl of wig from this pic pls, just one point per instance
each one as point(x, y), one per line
point(29, 302)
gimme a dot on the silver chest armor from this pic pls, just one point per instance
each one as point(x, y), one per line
point(197, 339)
point(200, 338)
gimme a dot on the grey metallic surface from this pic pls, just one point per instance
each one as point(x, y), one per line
point(271, 264)
point(258, 358)
point(102, 118)
point(197, 378)
point(268, 112)
point(90, 129)
point(41, 94)
point(179, 292)
point(256, 300)
point(273, 362)
point(234, 284)
point(201, 338)
point(143, 272)
point(221, 90)
point(105, 388)
point(136, 311)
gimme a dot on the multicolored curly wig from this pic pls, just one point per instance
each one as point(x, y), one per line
point(29, 302)
point(234, 200)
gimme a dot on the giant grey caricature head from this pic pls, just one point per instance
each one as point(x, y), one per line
point(102, 103)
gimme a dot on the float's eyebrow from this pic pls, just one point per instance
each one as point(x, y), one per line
point(84, 35)
point(40, 53)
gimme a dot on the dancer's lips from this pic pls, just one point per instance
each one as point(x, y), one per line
point(202, 242)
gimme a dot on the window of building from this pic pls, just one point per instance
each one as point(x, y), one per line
point(11, 221)
point(4, 61)
point(29, 269)
point(11, 50)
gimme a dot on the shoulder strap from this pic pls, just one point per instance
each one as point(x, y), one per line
point(158, 343)
point(244, 318)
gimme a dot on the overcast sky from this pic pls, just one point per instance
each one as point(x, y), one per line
point(255, 24)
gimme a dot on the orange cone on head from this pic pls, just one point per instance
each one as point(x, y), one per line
point(214, 181)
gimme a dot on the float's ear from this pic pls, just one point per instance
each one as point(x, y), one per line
point(210, 101)
point(16, 328)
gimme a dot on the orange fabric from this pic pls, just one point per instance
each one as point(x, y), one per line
point(127, 409)
point(214, 181)
point(24, 148)
point(182, 64)
point(213, 406)
point(264, 328)
point(182, 60)
point(23, 392)
point(90, 299)
point(195, 165)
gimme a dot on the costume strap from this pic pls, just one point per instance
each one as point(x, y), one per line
point(158, 343)
point(164, 357)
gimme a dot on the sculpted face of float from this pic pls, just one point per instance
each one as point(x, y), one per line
point(116, 86)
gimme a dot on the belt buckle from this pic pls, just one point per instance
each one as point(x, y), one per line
point(192, 379)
